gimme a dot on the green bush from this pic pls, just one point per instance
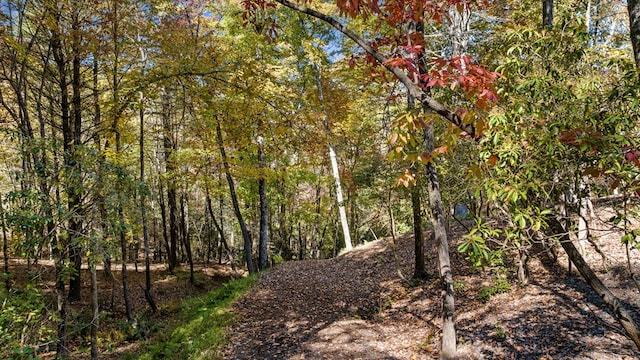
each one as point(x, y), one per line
point(26, 324)
point(500, 285)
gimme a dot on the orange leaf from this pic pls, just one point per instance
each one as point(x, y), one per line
point(492, 160)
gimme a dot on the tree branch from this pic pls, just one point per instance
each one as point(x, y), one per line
point(413, 88)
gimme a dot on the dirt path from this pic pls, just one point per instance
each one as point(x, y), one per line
point(355, 307)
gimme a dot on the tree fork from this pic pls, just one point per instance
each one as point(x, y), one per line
point(413, 89)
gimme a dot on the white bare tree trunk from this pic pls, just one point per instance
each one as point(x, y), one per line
point(334, 167)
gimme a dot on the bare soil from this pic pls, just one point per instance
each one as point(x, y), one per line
point(355, 306)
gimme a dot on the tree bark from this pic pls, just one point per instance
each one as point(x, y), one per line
point(633, 6)
point(148, 295)
point(5, 247)
point(621, 314)
point(419, 268)
point(118, 139)
point(264, 209)
point(444, 263)
point(75, 194)
point(186, 241)
point(169, 148)
point(163, 218)
point(246, 236)
point(99, 203)
point(547, 13)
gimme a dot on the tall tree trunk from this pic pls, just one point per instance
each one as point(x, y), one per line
point(634, 26)
point(334, 167)
point(442, 242)
point(75, 195)
point(624, 317)
point(143, 214)
point(169, 148)
point(419, 266)
point(99, 213)
point(264, 209)
point(246, 236)
point(56, 46)
point(118, 137)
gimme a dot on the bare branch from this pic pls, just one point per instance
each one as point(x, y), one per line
point(413, 88)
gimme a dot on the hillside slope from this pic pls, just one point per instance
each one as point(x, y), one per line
point(356, 307)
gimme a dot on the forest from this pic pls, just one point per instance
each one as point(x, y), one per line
point(248, 179)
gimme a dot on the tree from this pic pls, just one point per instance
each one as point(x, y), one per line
point(334, 168)
point(634, 26)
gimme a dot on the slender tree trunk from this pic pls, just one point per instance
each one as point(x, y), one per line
point(5, 247)
point(334, 167)
point(99, 204)
point(75, 194)
point(634, 25)
point(169, 148)
point(246, 236)
point(148, 295)
point(163, 218)
point(444, 263)
point(264, 209)
point(56, 45)
point(547, 13)
point(184, 220)
point(95, 318)
point(118, 139)
point(223, 239)
point(624, 317)
point(419, 268)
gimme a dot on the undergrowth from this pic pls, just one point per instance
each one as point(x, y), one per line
point(199, 328)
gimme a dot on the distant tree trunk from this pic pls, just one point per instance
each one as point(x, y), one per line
point(264, 208)
point(56, 47)
point(5, 247)
point(246, 236)
point(634, 25)
point(163, 218)
point(223, 239)
point(169, 148)
point(75, 195)
point(118, 139)
point(184, 220)
point(624, 317)
point(302, 243)
point(547, 13)
point(334, 167)
point(99, 203)
point(148, 295)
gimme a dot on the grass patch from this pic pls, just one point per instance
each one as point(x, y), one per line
point(500, 286)
point(199, 328)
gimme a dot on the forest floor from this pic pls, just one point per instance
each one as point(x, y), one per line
point(117, 338)
point(355, 306)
